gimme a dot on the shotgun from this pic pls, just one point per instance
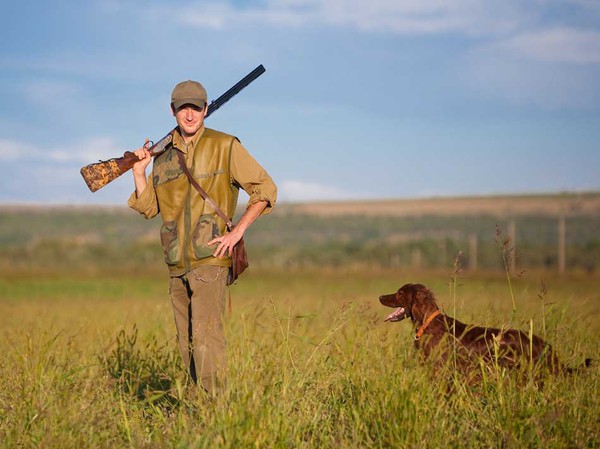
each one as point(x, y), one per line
point(98, 174)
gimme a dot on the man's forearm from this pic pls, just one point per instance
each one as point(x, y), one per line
point(140, 183)
point(252, 213)
point(139, 168)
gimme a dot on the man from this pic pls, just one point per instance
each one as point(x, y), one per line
point(195, 240)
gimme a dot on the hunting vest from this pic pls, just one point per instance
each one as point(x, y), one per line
point(189, 222)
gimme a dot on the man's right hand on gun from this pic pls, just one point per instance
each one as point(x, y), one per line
point(139, 168)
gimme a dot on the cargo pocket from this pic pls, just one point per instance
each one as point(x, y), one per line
point(206, 230)
point(170, 242)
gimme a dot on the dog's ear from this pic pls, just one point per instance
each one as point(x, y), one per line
point(410, 292)
point(421, 297)
point(421, 293)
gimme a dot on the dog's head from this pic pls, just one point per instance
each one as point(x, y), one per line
point(411, 300)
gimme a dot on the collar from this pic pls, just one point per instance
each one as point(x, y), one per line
point(181, 145)
point(426, 323)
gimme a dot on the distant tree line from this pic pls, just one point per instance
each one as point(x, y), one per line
point(98, 240)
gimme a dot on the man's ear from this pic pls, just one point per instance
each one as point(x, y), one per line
point(172, 110)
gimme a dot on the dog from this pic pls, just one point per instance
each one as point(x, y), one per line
point(443, 338)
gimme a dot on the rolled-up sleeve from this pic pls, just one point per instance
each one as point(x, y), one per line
point(252, 177)
point(146, 204)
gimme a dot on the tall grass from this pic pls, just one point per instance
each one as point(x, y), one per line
point(311, 364)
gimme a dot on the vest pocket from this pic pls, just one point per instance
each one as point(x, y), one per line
point(206, 230)
point(170, 242)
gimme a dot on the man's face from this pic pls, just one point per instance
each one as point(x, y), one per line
point(189, 118)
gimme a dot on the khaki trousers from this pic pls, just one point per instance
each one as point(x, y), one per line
point(199, 304)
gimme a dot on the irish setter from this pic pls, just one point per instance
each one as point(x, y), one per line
point(439, 336)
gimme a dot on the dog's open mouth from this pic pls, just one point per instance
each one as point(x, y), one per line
point(396, 315)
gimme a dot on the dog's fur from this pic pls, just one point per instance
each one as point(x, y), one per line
point(445, 336)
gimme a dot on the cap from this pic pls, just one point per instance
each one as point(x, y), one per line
point(189, 92)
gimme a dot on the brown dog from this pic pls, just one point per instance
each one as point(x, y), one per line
point(440, 336)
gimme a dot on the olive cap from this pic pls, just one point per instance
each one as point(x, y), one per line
point(189, 92)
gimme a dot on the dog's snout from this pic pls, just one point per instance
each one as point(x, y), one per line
point(388, 300)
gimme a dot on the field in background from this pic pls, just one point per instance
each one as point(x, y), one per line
point(556, 234)
point(497, 206)
point(89, 356)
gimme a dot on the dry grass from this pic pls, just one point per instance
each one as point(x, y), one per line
point(93, 363)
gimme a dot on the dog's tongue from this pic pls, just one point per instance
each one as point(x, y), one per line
point(396, 315)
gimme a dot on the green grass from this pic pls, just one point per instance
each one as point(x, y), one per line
point(90, 362)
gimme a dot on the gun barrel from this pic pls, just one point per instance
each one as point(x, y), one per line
point(235, 89)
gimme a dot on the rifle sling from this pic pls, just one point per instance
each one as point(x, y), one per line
point(202, 192)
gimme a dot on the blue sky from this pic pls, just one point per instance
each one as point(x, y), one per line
point(378, 99)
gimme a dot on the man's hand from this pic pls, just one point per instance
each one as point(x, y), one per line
point(139, 168)
point(226, 243)
point(144, 159)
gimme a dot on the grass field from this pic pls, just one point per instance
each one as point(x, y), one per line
point(424, 233)
point(92, 362)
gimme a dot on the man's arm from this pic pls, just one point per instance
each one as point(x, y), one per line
point(252, 177)
point(139, 168)
point(229, 240)
point(143, 199)
point(257, 183)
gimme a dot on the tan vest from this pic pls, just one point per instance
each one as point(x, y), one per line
point(188, 221)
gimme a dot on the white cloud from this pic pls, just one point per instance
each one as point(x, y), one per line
point(87, 151)
point(220, 16)
point(388, 16)
point(11, 150)
point(507, 24)
point(556, 45)
point(96, 148)
point(549, 68)
point(50, 93)
point(423, 16)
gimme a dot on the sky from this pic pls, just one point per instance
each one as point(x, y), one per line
point(377, 99)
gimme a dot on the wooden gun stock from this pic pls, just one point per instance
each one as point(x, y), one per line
point(99, 174)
